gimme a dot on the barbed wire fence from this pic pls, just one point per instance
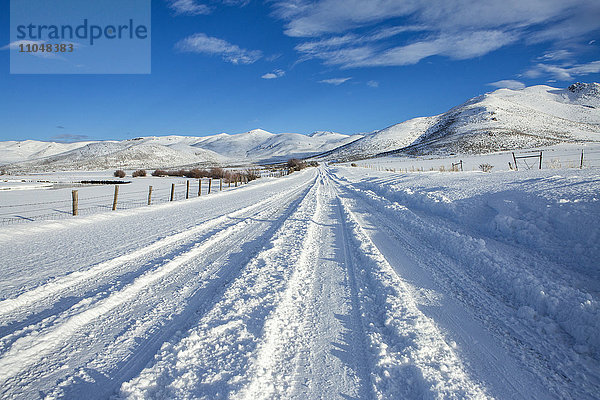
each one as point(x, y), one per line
point(522, 161)
point(87, 205)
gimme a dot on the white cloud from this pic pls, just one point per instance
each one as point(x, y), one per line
point(564, 72)
point(556, 55)
point(508, 84)
point(458, 46)
point(189, 7)
point(335, 81)
point(459, 29)
point(278, 73)
point(309, 18)
point(373, 84)
point(201, 43)
point(194, 7)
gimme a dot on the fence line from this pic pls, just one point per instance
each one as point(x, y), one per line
point(62, 209)
point(551, 159)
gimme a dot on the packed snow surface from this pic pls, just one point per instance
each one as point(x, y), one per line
point(333, 282)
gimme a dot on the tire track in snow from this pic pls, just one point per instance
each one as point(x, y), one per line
point(314, 345)
point(24, 355)
point(410, 357)
point(76, 283)
point(273, 374)
point(211, 360)
point(459, 261)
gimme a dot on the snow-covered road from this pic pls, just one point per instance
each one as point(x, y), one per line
point(321, 285)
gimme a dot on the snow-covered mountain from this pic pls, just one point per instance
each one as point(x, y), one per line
point(15, 151)
point(391, 138)
point(502, 120)
point(167, 151)
point(103, 155)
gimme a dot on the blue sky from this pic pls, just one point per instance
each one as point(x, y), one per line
point(348, 66)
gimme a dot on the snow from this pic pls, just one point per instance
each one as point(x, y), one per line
point(48, 195)
point(166, 151)
point(505, 119)
point(332, 282)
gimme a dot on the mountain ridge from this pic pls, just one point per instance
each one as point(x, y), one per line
point(500, 120)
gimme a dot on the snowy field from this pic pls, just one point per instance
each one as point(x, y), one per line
point(553, 157)
point(34, 197)
point(335, 282)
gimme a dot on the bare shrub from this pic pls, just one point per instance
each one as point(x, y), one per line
point(295, 164)
point(119, 173)
point(159, 172)
point(139, 172)
point(353, 165)
point(233, 176)
point(179, 173)
point(216, 173)
point(485, 167)
point(252, 174)
point(195, 173)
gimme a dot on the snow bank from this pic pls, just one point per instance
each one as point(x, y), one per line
point(531, 238)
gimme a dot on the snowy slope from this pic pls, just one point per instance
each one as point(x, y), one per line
point(502, 120)
point(168, 151)
point(329, 283)
point(14, 151)
point(511, 119)
point(105, 155)
point(294, 145)
point(391, 138)
point(235, 146)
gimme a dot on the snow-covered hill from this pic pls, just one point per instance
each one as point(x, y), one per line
point(167, 151)
point(502, 120)
point(391, 138)
point(16, 151)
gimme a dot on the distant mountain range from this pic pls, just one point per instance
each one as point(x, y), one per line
point(502, 120)
point(256, 146)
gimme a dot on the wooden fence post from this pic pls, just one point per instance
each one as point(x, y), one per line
point(187, 189)
point(209, 184)
point(75, 203)
point(220, 184)
point(515, 160)
point(116, 196)
point(172, 191)
point(540, 159)
point(199, 187)
point(581, 162)
point(150, 195)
